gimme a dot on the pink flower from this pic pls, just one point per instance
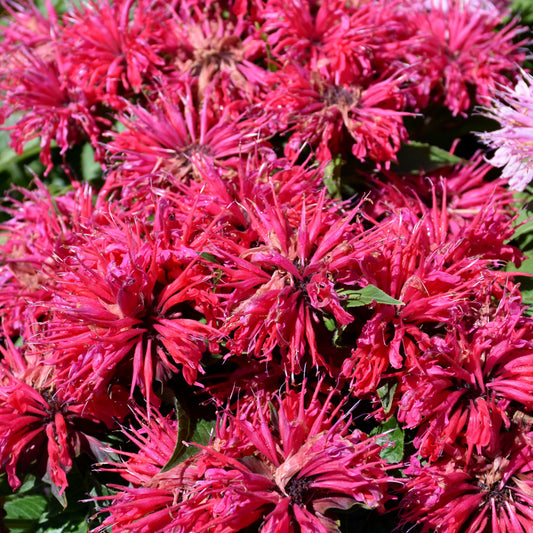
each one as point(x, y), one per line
point(29, 27)
point(117, 47)
point(54, 107)
point(140, 510)
point(127, 301)
point(40, 231)
point(333, 118)
point(103, 296)
point(477, 211)
point(45, 423)
point(441, 281)
point(513, 109)
point(347, 43)
point(303, 33)
point(150, 503)
point(461, 56)
point(464, 387)
point(290, 462)
point(220, 50)
point(492, 493)
point(155, 436)
point(280, 289)
point(172, 139)
point(489, 6)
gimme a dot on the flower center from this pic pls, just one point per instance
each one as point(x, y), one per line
point(340, 97)
point(217, 54)
point(297, 489)
point(490, 482)
point(54, 405)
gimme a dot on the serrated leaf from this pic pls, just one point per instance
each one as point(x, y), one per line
point(33, 508)
point(416, 156)
point(23, 512)
point(392, 438)
point(366, 296)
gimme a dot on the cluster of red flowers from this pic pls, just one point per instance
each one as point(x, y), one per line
point(222, 273)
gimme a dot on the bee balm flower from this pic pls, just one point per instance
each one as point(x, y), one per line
point(513, 141)
point(283, 464)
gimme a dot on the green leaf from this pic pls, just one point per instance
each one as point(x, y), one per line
point(330, 323)
point(25, 507)
point(524, 223)
point(525, 281)
point(34, 509)
point(23, 512)
point(8, 156)
point(416, 156)
point(366, 296)
point(386, 395)
point(64, 523)
point(392, 437)
point(524, 228)
point(274, 416)
point(185, 430)
point(202, 435)
point(209, 257)
point(59, 5)
point(61, 497)
point(332, 177)
point(90, 169)
point(523, 237)
point(524, 8)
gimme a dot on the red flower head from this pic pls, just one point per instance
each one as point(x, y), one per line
point(440, 282)
point(117, 47)
point(284, 464)
point(129, 294)
point(477, 211)
point(349, 43)
point(45, 423)
point(334, 118)
point(55, 108)
point(464, 388)
point(40, 231)
point(171, 140)
point(303, 32)
point(28, 27)
point(220, 50)
point(150, 503)
point(492, 493)
point(462, 54)
point(280, 289)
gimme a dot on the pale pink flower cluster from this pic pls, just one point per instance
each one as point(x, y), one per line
point(513, 142)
